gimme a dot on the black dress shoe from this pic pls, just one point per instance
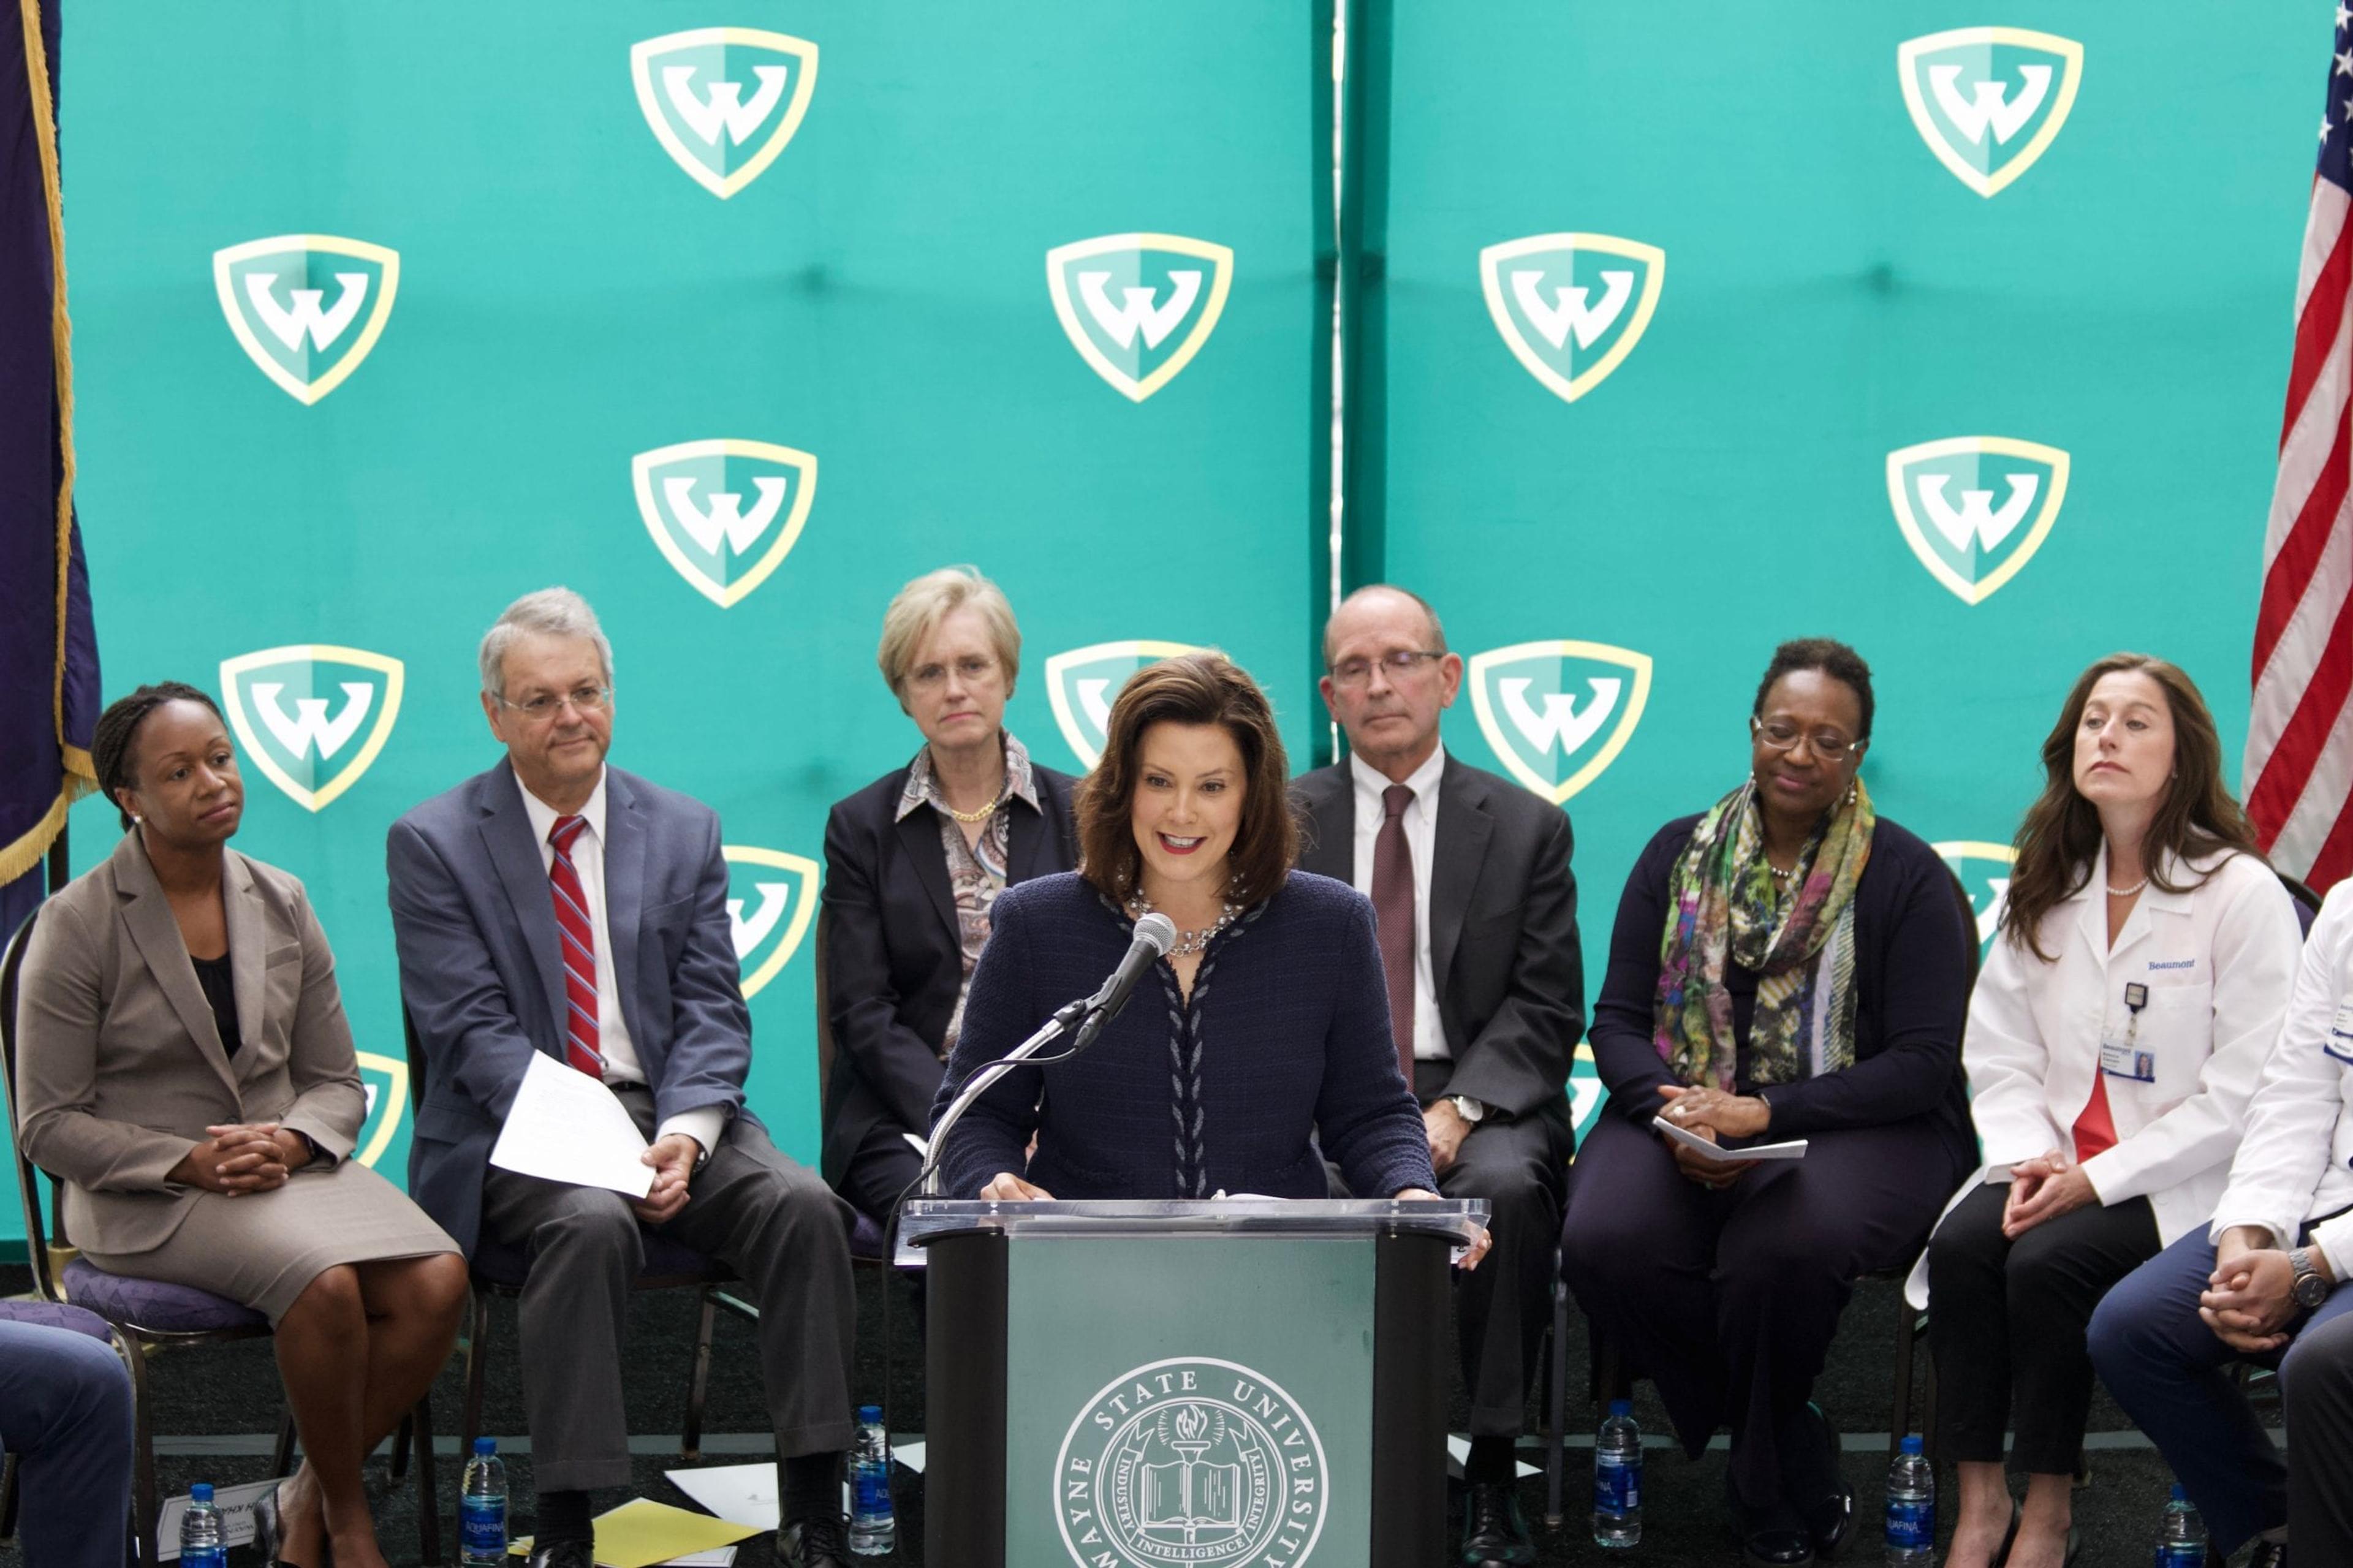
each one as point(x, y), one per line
point(815, 1543)
point(1494, 1531)
point(1779, 1546)
point(1830, 1512)
point(564, 1554)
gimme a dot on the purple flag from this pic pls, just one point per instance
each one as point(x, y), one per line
point(48, 653)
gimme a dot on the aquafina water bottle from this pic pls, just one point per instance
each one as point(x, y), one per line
point(1618, 1477)
point(1911, 1509)
point(2181, 1537)
point(874, 1531)
point(202, 1544)
point(482, 1507)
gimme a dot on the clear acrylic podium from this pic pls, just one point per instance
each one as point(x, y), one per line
point(1229, 1383)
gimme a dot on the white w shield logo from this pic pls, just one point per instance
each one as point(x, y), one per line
point(311, 717)
point(725, 513)
point(1083, 683)
point(771, 899)
point(723, 101)
point(1138, 306)
point(1989, 101)
point(1975, 508)
point(1556, 713)
point(383, 1081)
point(1571, 307)
point(1984, 870)
point(306, 307)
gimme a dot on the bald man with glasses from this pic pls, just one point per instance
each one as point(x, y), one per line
point(1476, 910)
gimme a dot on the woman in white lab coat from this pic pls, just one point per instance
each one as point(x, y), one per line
point(2114, 1041)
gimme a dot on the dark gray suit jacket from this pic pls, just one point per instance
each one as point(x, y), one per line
point(1503, 928)
point(482, 971)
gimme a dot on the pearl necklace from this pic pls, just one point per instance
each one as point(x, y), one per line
point(2115, 892)
point(1784, 878)
point(1188, 942)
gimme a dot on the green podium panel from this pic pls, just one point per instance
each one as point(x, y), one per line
point(1220, 1384)
point(1222, 1413)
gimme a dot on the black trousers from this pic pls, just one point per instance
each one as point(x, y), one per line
point(878, 1172)
point(1503, 1307)
point(2007, 1321)
point(1728, 1301)
point(2316, 1390)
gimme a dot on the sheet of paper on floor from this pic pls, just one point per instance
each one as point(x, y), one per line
point(1459, 1449)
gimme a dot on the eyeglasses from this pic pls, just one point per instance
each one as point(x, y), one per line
point(1783, 736)
point(1398, 665)
point(583, 700)
point(969, 668)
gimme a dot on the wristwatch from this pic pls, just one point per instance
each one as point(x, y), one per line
point(2311, 1287)
point(1468, 1109)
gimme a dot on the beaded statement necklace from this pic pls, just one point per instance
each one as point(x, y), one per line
point(1188, 942)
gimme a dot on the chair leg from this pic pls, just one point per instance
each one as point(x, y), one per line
point(145, 1510)
point(419, 1426)
point(477, 1358)
point(281, 1458)
point(1899, 1415)
point(1557, 1404)
point(1928, 1411)
point(399, 1459)
point(8, 1499)
point(690, 1445)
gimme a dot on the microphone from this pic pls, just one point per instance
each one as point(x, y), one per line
point(1156, 933)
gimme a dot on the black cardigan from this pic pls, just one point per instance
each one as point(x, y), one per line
point(1912, 962)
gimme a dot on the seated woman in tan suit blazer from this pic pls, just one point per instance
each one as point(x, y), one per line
point(186, 1073)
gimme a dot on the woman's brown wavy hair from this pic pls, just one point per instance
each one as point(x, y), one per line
point(2061, 834)
point(1193, 689)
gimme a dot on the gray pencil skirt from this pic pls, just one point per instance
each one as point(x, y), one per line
point(263, 1249)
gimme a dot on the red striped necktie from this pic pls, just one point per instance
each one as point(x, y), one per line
point(580, 1041)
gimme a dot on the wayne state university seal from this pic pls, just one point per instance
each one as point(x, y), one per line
point(1190, 1463)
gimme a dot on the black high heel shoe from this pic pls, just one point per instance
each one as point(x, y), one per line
point(269, 1531)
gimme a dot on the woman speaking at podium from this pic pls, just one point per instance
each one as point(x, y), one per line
point(1265, 1028)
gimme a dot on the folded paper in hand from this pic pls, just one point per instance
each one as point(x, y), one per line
point(566, 1126)
point(1794, 1149)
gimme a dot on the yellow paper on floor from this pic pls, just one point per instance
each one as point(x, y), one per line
point(642, 1531)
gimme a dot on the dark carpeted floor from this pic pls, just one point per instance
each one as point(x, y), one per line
point(233, 1390)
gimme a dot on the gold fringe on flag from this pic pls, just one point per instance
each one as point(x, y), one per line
point(79, 776)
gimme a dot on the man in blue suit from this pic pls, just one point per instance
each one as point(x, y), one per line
point(557, 905)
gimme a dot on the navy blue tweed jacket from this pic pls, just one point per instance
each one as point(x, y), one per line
point(1284, 1041)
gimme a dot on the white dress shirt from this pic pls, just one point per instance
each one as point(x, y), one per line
point(2296, 1162)
point(705, 1124)
point(1421, 822)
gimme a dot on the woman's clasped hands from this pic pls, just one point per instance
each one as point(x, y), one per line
point(240, 1158)
point(1712, 1114)
point(2044, 1188)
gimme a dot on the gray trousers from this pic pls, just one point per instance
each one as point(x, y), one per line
point(776, 1223)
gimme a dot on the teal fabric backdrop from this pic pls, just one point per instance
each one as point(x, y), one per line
point(1790, 269)
point(570, 295)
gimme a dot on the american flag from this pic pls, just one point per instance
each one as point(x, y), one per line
point(2299, 763)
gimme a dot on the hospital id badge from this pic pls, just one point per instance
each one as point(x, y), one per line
point(2121, 1058)
point(2339, 1041)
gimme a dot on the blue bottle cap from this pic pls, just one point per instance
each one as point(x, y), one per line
point(486, 1446)
point(1912, 1445)
point(1621, 1407)
point(2179, 1494)
point(203, 1492)
point(870, 1413)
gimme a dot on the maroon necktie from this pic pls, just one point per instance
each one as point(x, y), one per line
point(1393, 912)
point(579, 950)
